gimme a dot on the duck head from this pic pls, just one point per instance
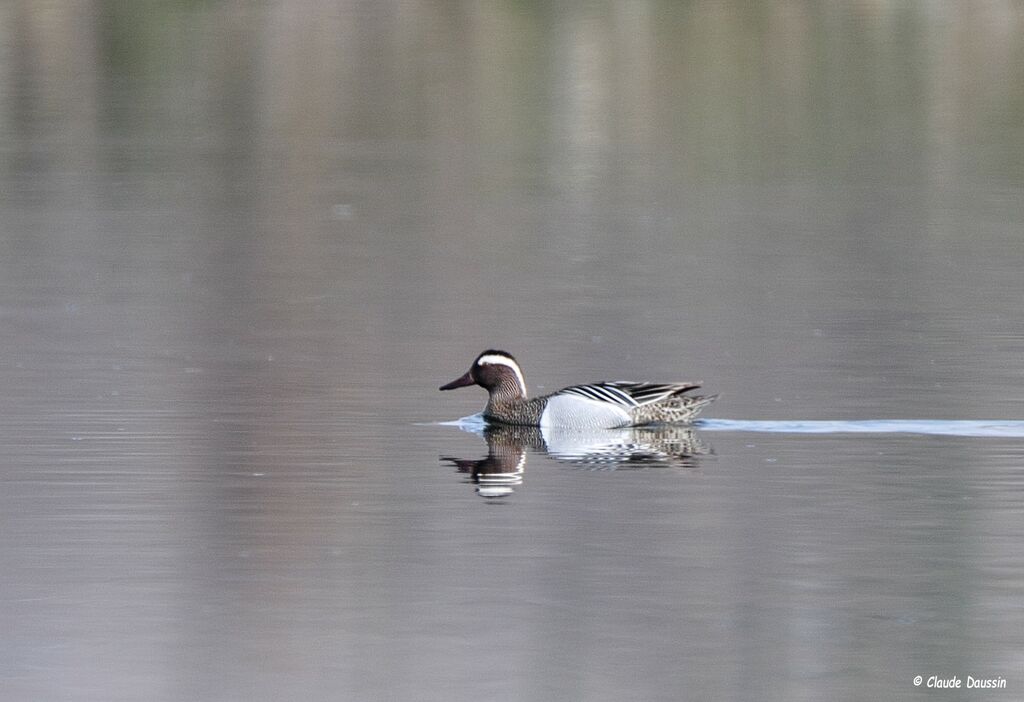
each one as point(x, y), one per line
point(493, 371)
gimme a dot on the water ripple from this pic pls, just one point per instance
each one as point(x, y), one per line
point(952, 427)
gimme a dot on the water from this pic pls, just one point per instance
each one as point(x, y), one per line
point(242, 245)
point(996, 428)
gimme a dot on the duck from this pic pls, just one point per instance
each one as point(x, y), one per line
point(603, 405)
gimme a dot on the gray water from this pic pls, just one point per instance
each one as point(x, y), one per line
point(241, 245)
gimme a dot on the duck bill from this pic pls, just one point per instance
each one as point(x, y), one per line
point(462, 382)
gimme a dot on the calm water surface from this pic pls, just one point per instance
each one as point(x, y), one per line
point(241, 246)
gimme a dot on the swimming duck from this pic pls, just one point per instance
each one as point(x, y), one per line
point(590, 406)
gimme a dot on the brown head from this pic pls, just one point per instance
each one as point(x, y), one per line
point(497, 372)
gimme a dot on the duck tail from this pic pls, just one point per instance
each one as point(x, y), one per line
point(677, 409)
point(697, 403)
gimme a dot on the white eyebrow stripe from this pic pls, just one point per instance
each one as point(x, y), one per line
point(505, 361)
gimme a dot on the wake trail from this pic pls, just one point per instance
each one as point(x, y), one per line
point(937, 427)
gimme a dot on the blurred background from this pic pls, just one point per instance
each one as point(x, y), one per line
point(242, 243)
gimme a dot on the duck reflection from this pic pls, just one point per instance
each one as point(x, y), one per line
point(502, 469)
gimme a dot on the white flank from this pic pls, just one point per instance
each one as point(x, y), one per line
point(505, 361)
point(579, 412)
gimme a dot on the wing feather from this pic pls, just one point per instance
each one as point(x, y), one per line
point(602, 392)
point(627, 394)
